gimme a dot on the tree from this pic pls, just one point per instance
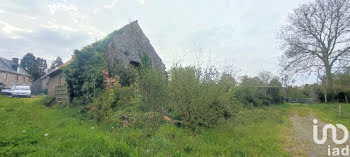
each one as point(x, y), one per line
point(28, 63)
point(84, 75)
point(266, 77)
point(316, 39)
point(56, 63)
point(251, 92)
point(287, 80)
point(40, 66)
point(275, 90)
point(34, 66)
point(342, 84)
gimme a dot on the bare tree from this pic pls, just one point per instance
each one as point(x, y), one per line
point(316, 39)
point(287, 79)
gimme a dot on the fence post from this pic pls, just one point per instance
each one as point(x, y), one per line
point(339, 112)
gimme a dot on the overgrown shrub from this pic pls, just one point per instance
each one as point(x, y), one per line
point(117, 98)
point(257, 92)
point(84, 75)
point(127, 75)
point(153, 85)
point(197, 99)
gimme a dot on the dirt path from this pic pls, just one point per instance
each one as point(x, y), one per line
point(301, 137)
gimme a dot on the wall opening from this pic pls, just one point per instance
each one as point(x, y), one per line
point(135, 64)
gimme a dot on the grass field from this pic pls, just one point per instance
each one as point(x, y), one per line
point(28, 128)
point(326, 112)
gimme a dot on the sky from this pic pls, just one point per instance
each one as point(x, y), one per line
point(242, 34)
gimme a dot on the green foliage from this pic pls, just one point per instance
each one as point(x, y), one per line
point(275, 92)
point(127, 75)
point(153, 85)
point(34, 66)
point(84, 75)
point(342, 85)
point(259, 91)
point(56, 63)
point(126, 99)
point(68, 135)
point(18, 145)
point(102, 45)
point(199, 102)
point(302, 93)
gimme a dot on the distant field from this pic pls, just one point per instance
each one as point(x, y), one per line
point(27, 127)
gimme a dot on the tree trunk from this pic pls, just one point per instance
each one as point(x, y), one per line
point(346, 99)
point(328, 82)
point(325, 97)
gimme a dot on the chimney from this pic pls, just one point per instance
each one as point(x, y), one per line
point(15, 63)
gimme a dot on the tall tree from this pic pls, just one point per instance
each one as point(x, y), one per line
point(41, 66)
point(28, 63)
point(316, 39)
point(56, 63)
point(34, 66)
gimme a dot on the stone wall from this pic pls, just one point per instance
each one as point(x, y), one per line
point(128, 44)
point(57, 87)
point(11, 79)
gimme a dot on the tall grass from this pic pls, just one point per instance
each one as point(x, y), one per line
point(24, 123)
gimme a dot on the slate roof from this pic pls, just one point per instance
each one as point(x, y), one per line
point(6, 66)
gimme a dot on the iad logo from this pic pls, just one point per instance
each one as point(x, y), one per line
point(332, 151)
point(334, 133)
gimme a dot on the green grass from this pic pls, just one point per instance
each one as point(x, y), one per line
point(24, 123)
point(329, 113)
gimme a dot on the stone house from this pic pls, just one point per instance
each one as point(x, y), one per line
point(125, 44)
point(11, 74)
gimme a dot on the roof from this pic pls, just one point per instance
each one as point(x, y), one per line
point(60, 67)
point(53, 72)
point(6, 66)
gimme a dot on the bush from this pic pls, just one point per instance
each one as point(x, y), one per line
point(197, 99)
point(84, 75)
point(153, 85)
point(257, 92)
point(117, 98)
point(127, 75)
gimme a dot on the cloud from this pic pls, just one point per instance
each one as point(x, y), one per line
point(79, 20)
point(141, 2)
point(52, 25)
point(46, 43)
point(11, 30)
point(106, 6)
point(112, 5)
point(60, 6)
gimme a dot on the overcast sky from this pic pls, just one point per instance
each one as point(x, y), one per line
point(242, 33)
